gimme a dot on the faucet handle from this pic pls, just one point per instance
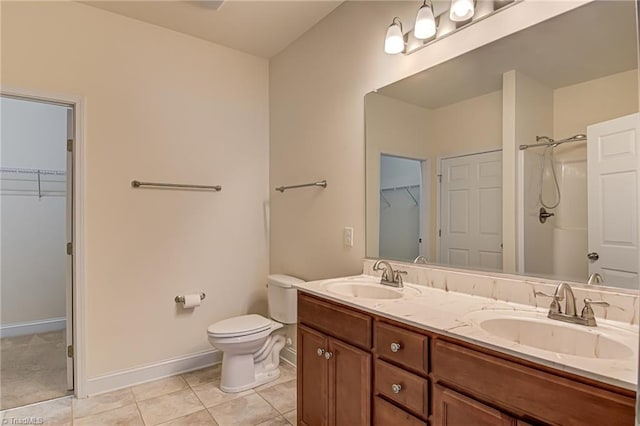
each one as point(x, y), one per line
point(587, 311)
point(397, 276)
point(553, 296)
point(555, 305)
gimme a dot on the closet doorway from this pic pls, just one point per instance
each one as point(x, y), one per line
point(36, 230)
point(402, 181)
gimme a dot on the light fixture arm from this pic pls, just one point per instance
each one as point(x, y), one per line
point(397, 21)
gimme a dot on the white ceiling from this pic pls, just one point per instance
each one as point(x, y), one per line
point(592, 41)
point(262, 28)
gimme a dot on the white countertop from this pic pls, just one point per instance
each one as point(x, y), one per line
point(457, 315)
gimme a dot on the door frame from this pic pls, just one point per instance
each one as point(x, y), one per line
point(79, 242)
point(440, 159)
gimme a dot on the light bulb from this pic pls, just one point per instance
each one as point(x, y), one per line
point(461, 10)
point(394, 42)
point(425, 23)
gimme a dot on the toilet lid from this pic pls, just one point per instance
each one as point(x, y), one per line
point(239, 326)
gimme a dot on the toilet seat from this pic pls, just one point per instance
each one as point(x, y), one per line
point(243, 325)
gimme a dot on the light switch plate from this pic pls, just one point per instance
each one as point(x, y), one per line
point(348, 237)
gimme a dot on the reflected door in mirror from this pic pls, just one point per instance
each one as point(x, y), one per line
point(471, 211)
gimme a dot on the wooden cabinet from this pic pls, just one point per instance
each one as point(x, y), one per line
point(349, 385)
point(420, 377)
point(454, 409)
point(313, 378)
point(334, 377)
point(526, 391)
point(385, 414)
point(400, 346)
point(402, 387)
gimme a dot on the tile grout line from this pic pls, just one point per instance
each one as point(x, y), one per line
point(282, 414)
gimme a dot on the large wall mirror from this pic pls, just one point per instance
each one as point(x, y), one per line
point(556, 102)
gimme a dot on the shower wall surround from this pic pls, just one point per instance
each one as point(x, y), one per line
point(624, 305)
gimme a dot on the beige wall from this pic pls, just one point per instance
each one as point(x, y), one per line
point(407, 130)
point(481, 131)
point(392, 127)
point(317, 89)
point(160, 106)
point(580, 105)
point(532, 115)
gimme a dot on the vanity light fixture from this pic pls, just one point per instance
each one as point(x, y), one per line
point(425, 26)
point(394, 42)
point(435, 22)
point(461, 10)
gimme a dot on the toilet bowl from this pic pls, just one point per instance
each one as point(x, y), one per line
point(251, 349)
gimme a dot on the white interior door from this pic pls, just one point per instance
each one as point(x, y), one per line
point(70, 257)
point(471, 210)
point(612, 165)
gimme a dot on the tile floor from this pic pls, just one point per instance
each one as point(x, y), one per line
point(33, 368)
point(188, 399)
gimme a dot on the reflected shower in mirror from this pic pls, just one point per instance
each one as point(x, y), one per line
point(539, 129)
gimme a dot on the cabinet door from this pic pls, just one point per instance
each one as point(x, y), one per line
point(453, 409)
point(349, 385)
point(313, 373)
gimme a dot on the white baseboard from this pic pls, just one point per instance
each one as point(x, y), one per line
point(289, 355)
point(33, 327)
point(147, 373)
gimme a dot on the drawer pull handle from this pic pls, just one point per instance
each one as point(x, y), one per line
point(328, 355)
point(396, 388)
point(395, 347)
point(320, 351)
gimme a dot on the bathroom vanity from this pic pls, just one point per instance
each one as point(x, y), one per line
point(359, 366)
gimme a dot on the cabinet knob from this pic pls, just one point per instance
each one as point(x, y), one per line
point(395, 347)
point(396, 388)
point(320, 351)
point(328, 355)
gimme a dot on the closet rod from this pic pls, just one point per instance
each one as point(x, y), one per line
point(397, 188)
point(33, 171)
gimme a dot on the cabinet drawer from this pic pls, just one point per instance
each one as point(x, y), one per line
point(528, 392)
point(451, 408)
point(385, 414)
point(413, 349)
point(413, 391)
point(350, 326)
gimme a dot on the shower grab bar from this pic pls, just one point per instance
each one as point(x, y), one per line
point(551, 142)
point(139, 184)
point(322, 183)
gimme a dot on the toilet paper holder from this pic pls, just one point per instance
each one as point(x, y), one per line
point(180, 299)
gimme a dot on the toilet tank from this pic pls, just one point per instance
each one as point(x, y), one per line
point(282, 298)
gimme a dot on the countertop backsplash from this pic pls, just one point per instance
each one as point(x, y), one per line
point(624, 304)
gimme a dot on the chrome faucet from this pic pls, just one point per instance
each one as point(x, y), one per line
point(595, 278)
point(389, 276)
point(420, 259)
point(564, 292)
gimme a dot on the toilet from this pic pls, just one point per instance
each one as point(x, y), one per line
point(251, 349)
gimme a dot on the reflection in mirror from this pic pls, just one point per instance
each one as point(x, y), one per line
point(539, 128)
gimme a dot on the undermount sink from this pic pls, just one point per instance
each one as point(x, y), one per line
point(368, 290)
point(533, 329)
